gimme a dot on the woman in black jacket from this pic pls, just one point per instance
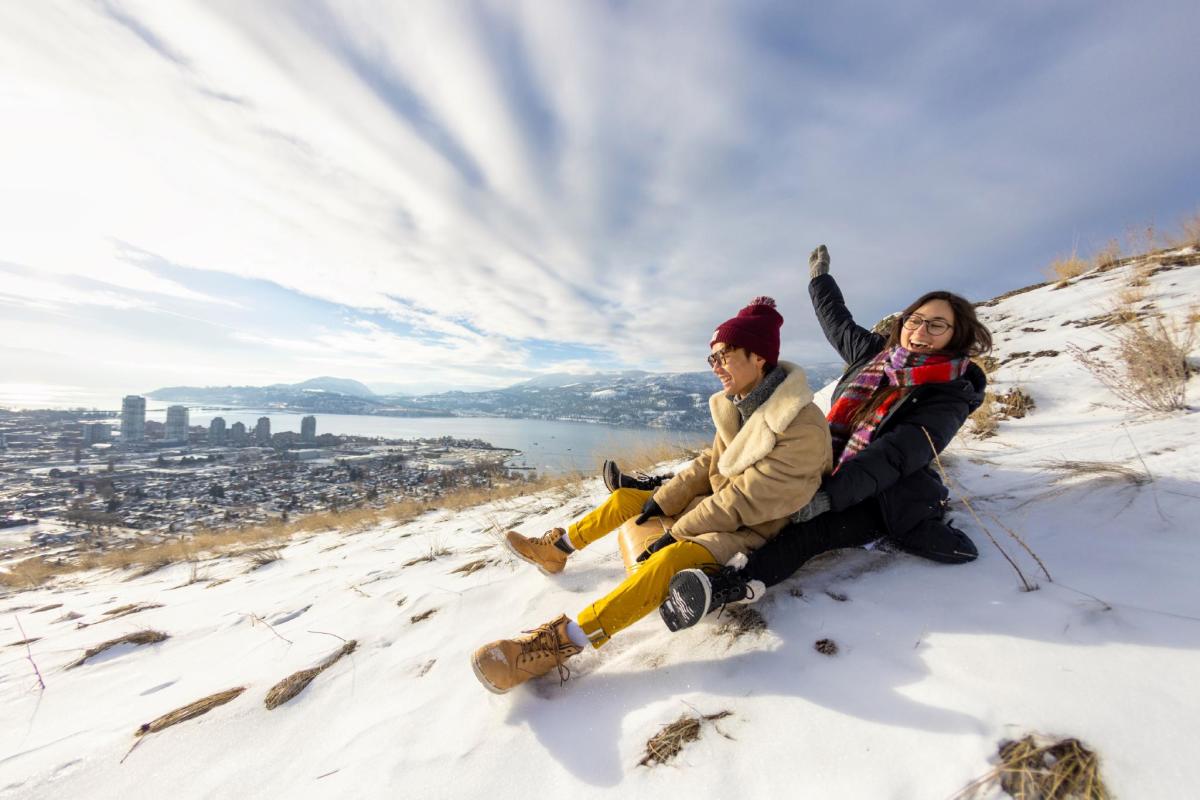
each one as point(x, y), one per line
point(903, 396)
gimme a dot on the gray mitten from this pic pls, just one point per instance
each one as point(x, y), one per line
point(815, 508)
point(818, 262)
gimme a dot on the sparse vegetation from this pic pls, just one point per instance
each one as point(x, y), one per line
point(208, 545)
point(740, 620)
point(1148, 366)
point(826, 647)
point(1067, 267)
point(139, 638)
point(1108, 256)
point(190, 711)
point(1189, 235)
point(1014, 404)
point(1036, 768)
point(668, 742)
point(295, 683)
point(985, 420)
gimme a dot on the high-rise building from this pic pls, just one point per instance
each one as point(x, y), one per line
point(133, 419)
point(308, 429)
point(262, 430)
point(237, 432)
point(96, 433)
point(177, 424)
point(216, 431)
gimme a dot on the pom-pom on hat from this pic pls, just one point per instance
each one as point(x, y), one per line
point(756, 328)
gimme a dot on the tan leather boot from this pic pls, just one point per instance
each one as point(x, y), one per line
point(541, 551)
point(506, 663)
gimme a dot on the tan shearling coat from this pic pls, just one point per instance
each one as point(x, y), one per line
point(739, 493)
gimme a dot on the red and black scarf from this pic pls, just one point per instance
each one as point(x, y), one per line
point(897, 367)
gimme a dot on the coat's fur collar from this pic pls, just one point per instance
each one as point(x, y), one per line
point(756, 439)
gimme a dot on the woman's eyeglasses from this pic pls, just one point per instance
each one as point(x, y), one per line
point(936, 327)
point(720, 357)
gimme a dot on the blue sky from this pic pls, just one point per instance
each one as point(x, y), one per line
point(423, 195)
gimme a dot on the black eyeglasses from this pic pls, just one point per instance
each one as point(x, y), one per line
point(936, 327)
point(720, 357)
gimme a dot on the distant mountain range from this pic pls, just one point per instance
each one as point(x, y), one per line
point(675, 401)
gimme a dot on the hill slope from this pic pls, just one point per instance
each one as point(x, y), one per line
point(935, 666)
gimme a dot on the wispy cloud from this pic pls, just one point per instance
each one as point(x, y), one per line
point(441, 190)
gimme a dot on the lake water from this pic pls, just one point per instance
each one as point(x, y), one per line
point(545, 445)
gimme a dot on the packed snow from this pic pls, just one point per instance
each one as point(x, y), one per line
point(935, 665)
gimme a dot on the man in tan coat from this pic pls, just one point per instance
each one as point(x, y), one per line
point(771, 448)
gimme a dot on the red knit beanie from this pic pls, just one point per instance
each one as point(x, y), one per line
point(756, 328)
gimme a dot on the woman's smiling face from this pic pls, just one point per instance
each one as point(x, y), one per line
point(921, 339)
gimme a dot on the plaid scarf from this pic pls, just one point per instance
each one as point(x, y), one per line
point(897, 367)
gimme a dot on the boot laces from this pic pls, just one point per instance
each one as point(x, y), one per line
point(549, 537)
point(543, 639)
point(748, 593)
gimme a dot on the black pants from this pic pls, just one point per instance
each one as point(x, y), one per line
point(858, 525)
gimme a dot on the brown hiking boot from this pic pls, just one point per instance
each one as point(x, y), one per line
point(541, 552)
point(506, 663)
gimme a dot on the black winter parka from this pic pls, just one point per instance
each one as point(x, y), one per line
point(896, 467)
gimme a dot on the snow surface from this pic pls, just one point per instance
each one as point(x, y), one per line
point(936, 664)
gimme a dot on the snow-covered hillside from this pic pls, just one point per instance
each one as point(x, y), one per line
point(935, 665)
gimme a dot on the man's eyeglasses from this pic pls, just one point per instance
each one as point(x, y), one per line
point(936, 327)
point(721, 356)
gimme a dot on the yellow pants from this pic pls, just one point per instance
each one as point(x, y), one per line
point(621, 505)
point(646, 587)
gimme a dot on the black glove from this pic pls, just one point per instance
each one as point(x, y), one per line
point(818, 262)
point(649, 509)
point(658, 544)
point(815, 508)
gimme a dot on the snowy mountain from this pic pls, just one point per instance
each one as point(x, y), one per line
point(934, 665)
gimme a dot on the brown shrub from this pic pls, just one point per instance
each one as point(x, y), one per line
point(1108, 256)
point(1067, 267)
point(668, 742)
point(1149, 367)
point(1037, 768)
point(1189, 232)
point(985, 420)
point(1014, 404)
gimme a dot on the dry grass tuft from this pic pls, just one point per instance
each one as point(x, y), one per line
point(985, 420)
point(424, 615)
point(139, 638)
point(435, 552)
point(1149, 369)
point(30, 573)
point(988, 363)
point(1014, 404)
point(1036, 768)
point(263, 556)
point(294, 684)
point(668, 742)
point(1108, 256)
point(1189, 232)
point(190, 711)
point(472, 567)
point(121, 611)
point(826, 647)
point(23, 642)
point(741, 620)
point(50, 607)
point(1093, 469)
point(1065, 268)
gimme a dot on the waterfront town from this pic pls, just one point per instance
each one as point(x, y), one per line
point(67, 475)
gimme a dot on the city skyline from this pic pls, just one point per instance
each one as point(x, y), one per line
point(251, 194)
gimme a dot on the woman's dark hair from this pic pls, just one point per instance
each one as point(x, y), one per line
point(970, 338)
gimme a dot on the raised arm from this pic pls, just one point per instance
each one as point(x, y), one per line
point(851, 340)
